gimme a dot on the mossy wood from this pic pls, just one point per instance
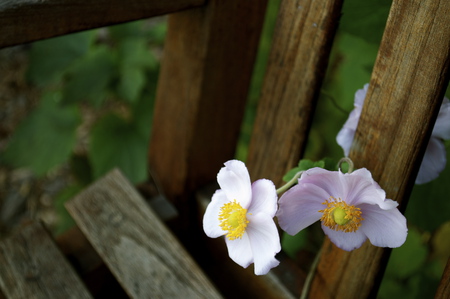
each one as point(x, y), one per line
point(405, 93)
point(140, 251)
point(29, 20)
point(300, 50)
point(33, 267)
point(202, 89)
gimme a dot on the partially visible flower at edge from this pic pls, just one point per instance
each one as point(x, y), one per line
point(244, 212)
point(434, 159)
point(351, 207)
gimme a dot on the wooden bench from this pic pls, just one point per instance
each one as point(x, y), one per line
point(209, 53)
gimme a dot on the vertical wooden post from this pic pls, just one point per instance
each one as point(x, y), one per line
point(296, 67)
point(202, 89)
point(406, 89)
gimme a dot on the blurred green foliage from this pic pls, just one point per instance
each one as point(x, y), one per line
point(98, 69)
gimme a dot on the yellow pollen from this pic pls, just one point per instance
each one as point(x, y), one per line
point(233, 220)
point(340, 216)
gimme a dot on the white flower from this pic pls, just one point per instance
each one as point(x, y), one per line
point(244, 212)
point(434, 159)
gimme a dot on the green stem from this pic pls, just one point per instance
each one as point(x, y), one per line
point(308, 281)
point(290, 183)
point(348, 161)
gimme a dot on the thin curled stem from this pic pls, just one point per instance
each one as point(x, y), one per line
point(290, 183)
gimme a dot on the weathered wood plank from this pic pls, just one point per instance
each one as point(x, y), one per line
point(202, 89)
point(33, 267)
point(443, 291)
point(406, 89)
point(23, 21)
point(296, 67)
point(138, 249)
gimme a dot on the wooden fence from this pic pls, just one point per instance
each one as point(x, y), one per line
point(203, 84)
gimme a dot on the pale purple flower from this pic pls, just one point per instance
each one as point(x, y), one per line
point(434, 159)
point(244, 212)
point(352, 207)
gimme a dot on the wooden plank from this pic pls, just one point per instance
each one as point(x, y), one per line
point(33, 267)
point(23, 21)
point(295, 71)
point(406, 89)
point(138, 249)
point(202, 89)
point(443, 290)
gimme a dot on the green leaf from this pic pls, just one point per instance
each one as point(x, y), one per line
point(49, 59)
point(409, 258)
point(81, 169)
point(304, 164)
point(365, 19)
point(45, 138)
point(135, 52)
point(126, 30)
point(142, 116)
point(116, 143)
point(88, 79)
point(293, 244)
point(131, 84)
point(429, 205)
point(65, 220)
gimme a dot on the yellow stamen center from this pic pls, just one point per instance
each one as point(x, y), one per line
point(340, 216)
point(233, 219)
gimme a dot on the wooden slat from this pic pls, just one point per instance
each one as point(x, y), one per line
point(202, 89)
point(406, 90)
point(138, 249)
point(443, 291)
point(23, 21)
point(296, 67)
point(31, 266)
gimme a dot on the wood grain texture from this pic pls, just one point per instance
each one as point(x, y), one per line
point(410, 75)
point(138, 249)
point(302, 41)
point(443, 290)
point(33, 267)
point(23, 21)
point(202, 89)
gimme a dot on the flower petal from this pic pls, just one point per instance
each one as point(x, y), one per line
point(346, 241)
point(234, 180)
point(384, 228)
point(331, 182)
point(345, 138)
point(264, 198)
point(433, 161)
point(361, 188)
point(265, 242)
point(240, 250)
point(299, 207)
point(360, 96)
point(211, 217)
point(442, 126)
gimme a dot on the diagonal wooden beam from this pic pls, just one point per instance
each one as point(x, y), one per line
point(302, 42)
point(410, 76)
point(143, 255)
point(24, 21)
